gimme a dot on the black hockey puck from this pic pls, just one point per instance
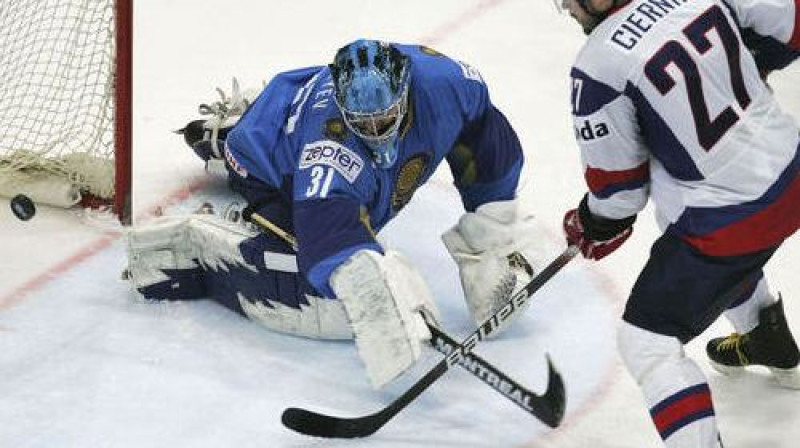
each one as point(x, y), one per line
point(23, 207)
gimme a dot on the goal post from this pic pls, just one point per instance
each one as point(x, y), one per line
point(65, 102)
point(123, 109)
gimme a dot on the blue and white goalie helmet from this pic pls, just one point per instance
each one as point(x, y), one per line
point(371, 90)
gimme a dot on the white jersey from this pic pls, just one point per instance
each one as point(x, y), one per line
point(668, 104)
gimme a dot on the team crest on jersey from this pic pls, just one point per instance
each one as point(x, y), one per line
point(334, 155)
point(335, 129)
point(408, 180)
point(233, 163)
point(429, 51)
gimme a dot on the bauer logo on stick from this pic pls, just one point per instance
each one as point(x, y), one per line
point(23, 207)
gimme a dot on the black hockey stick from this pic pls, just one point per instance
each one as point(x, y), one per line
point(548, 407)
point(321, 425)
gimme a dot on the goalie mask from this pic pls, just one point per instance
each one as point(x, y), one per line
point(371, 90)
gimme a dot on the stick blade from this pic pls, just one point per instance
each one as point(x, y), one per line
point(553, 403)
point(314, 424)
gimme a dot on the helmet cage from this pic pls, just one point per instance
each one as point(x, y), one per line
point(376, 128)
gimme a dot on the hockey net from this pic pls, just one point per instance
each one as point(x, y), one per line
point(65, 101)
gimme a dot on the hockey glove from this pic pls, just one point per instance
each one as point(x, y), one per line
point(596, 237)
point(207, 137)
point(488, 247)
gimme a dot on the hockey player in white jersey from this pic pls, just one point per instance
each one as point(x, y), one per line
point(669, 104)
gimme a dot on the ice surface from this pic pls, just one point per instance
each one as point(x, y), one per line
point(84, 363)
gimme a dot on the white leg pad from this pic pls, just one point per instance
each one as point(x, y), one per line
point(674, 387)
point(180, 242)
point(320, 319)
point(212, 244)
point(156, 247)
point(382, 295)
point(480, 244)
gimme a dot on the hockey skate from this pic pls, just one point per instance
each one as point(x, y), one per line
point(770, 344)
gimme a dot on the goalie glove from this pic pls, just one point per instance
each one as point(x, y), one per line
point(207, 137)
point(595, 236)
point(487, 246)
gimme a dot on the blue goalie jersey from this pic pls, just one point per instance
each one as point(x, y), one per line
point(297, 162)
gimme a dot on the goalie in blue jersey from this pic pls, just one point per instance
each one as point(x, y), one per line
point(328, 155)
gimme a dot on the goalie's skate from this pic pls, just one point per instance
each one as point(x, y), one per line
point(770, 344)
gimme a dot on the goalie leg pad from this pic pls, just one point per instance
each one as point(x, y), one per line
point(382, 295)
point(674, 387)
point(204, 256)
point(161, 261)
point(487, 245)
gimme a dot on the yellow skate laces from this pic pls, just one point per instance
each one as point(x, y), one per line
point(735, 341)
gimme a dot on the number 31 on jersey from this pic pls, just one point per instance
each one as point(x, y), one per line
point(321, 178)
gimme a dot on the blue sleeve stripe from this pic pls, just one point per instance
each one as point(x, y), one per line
point(591, 96)
point(611, 190)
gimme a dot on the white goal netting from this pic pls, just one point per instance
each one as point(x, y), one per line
point(57, 99)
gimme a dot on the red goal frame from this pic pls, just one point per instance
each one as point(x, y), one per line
point(123, 110)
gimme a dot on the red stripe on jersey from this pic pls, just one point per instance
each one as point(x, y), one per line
point(762, 230)
point(794, 41)
point(598, 179)
point(681, 409)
